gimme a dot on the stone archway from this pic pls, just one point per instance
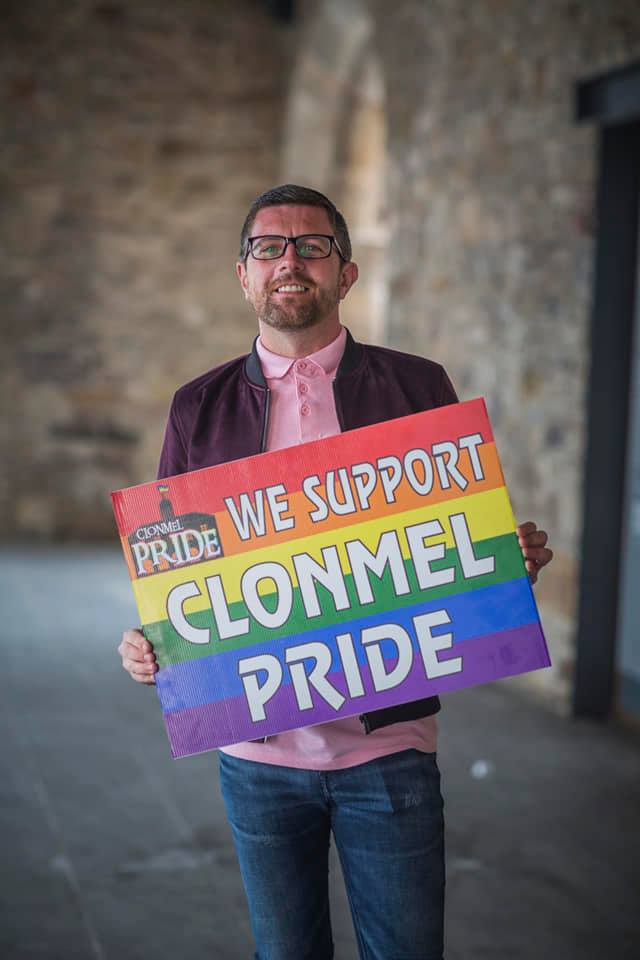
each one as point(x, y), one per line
point(335, 141)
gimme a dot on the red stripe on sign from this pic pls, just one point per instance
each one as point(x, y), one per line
point(292, 465)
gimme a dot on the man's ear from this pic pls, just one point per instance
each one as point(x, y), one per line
point(348, 277)
point(241, 271)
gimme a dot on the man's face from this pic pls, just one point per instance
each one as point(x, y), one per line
point(325, 282)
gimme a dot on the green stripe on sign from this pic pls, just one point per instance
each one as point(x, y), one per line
point(170, 648)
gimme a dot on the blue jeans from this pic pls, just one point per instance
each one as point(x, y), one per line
point(387, 821)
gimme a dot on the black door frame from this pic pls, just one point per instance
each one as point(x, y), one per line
point(613, 102)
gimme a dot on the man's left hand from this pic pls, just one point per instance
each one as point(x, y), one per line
point(533, 543)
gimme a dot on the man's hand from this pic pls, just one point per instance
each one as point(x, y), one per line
point(534, 550)
point(138, 658)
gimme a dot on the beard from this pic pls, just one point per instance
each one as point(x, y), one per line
point(282, 315)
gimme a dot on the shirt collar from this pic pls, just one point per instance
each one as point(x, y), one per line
point(328, 358)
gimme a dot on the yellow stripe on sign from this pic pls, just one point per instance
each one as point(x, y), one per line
point(488, 515)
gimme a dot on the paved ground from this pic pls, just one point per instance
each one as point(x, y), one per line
point(113, 850)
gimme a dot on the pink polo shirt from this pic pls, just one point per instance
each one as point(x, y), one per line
point(302, 408)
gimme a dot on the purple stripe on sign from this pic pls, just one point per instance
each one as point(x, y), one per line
point(484, 659)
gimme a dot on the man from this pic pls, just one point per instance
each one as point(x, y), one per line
point(373, 780)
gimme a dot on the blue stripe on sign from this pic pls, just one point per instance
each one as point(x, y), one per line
point(475, 614)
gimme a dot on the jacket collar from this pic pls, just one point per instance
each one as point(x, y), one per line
point(351, 359)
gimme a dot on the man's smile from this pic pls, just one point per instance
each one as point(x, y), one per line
point(286, 288)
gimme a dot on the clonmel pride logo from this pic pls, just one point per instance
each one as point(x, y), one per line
point(173, 541)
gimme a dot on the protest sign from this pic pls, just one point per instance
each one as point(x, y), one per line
point(368, 569)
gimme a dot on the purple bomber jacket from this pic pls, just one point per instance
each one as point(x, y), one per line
point(222, 415)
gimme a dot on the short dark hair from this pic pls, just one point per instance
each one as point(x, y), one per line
point(293, 195)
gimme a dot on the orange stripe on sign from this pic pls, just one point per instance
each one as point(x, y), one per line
point(405, 499)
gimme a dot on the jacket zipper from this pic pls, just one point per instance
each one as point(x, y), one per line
point(338, 406)
point(265, 421)
point(364, 719)
point(263, 447)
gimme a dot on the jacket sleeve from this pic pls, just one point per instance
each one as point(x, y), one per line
point(174, 458)
point(447, 392)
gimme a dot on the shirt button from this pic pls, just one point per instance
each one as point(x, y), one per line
point(301, 365)
point(303, 388)
point(304, 409)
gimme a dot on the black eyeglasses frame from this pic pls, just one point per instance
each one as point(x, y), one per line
point(294, 240)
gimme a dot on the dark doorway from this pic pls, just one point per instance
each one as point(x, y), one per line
point(607, 678)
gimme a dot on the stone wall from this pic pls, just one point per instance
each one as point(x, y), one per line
point(134, 137)
point(485, 192)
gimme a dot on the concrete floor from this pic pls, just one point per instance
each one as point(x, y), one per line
point(111, 849)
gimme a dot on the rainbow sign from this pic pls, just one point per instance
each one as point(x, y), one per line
point(330, 579)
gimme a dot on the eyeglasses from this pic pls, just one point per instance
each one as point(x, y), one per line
point(309, 246)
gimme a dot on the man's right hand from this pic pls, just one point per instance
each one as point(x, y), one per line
point(138, 658)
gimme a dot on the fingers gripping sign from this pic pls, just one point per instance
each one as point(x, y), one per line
point(138, 658)
point(533, 543)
